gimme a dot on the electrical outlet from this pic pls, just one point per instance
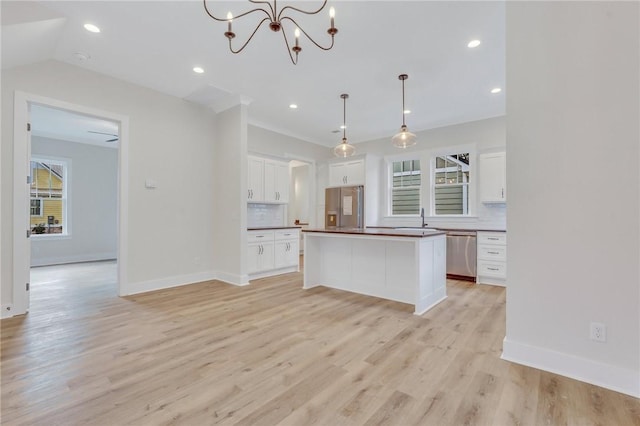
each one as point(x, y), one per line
point(598, 332)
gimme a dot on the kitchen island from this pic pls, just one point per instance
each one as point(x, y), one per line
point(406, 266)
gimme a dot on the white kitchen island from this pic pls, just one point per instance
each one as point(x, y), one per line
point(406, 266)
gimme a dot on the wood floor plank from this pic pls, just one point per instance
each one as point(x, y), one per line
point(272, 353)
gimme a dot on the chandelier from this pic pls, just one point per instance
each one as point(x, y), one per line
point(404, 138)
point(276, 19)
point(344, 149)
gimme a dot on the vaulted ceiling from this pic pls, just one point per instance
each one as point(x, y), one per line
point(157, 43)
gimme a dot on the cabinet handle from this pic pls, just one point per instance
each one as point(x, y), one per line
point(493, 269)
point(493, 252)
point(249, 193)
point(502, 192)
point(492, 238)
point(287, 249)
point(286, 235)
point(259, 236)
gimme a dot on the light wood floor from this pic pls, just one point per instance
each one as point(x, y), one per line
point(272, 353)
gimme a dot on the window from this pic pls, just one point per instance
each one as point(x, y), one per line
point(405, 187)
point(451, 184)
point(48, 190)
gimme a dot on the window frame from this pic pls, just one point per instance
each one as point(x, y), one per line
point(65, 198)
point(416, 156)
point(471, 185)
point(39, 206)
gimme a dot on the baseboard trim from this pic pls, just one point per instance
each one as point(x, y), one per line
point(168, 282)
point(62, 260)
point(7, 311)
point(608, 376)
point(234, 279)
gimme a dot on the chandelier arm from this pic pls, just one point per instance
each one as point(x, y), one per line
point(250, 37)
point(308, 36)
point(273, 12)
point(286, 42)
point(307, 12)
point(235, 17)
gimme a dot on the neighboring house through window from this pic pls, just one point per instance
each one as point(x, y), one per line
point(451, 184)
point(405, 187)
point(48, 191)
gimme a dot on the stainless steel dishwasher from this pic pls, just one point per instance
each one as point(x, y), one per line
point(461, 254)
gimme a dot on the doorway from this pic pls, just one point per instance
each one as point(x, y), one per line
point(48, 195)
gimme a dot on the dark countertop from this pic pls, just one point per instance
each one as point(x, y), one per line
point(270, 228)
point(442, 229)
point(387, 232)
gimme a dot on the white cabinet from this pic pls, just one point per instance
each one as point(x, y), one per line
point(287, 252)
point(255, 185)
point(276, 181)
point(268, 181)
point(492, 177)
point(347, 173)
point(273, 252)
point(492, 258)
point(261, 249)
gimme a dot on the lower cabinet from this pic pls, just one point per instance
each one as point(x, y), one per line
point(492, 258)
point(273, 252)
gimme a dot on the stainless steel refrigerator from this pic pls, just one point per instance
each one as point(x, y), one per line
point(344, 207)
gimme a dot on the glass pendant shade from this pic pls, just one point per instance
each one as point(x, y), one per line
point(404, 138)
point(344, 149)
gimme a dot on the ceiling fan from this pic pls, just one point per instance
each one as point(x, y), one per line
point(114, 139)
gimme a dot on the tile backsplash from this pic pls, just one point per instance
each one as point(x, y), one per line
point(262, 215)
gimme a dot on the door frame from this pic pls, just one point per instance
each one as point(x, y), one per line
point(21, 153)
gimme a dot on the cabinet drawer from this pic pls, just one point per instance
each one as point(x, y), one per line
point(287, 234)
point(499, 238)
point(489, 252)
point(492, 269)
point(259, 236)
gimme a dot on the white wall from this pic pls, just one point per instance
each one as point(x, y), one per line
point(299, 195)
point(270, 143)
point(574, 189)
point(230, 188)
point(93, 204)
point(171, 141)
point(483, 135)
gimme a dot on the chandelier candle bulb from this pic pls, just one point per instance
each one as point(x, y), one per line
point(297, 34)
point(332, 14)
point(230, 19)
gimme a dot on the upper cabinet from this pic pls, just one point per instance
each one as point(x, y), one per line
point(492, 177)
point(276, 181)
point(255, 185)
point(347, 173)
point(268, 181)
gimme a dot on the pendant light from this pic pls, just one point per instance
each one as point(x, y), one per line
point(344, 149)
point(404, 138)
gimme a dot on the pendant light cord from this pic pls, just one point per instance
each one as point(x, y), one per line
point(403, 114)
point(344, 118)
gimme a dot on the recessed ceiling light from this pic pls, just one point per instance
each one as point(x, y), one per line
point(92, 28)
point(198, 70)
point(496, 90)
point(473, 43)
point(293, 106)
point(407, 111)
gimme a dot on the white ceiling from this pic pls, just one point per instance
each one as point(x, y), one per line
point(157, 43)
point(60, 124)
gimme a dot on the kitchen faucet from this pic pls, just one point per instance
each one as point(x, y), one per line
point(422, 216)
